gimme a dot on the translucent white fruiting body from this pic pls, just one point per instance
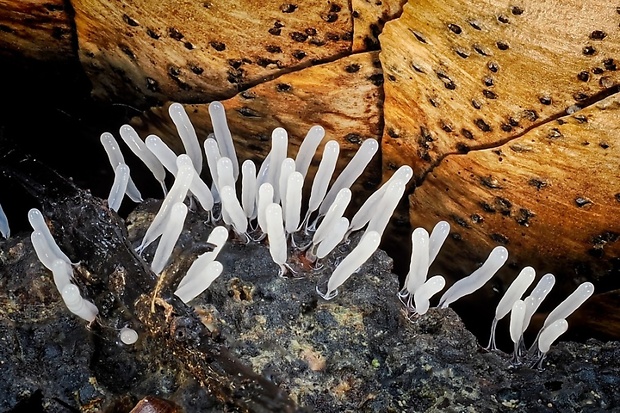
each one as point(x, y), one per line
point(77, 305)
point(218, 237)
point(438, 236)
point(248, 188)
point(333, 238)
point(37, 222)
point(477, 279)
point(4, 224)
point(223, 135)
point(198, 284)
point(570, 304)
point(292, 201)
point(418, 266)
point(333, 215)
point(386, 207)
point(532, 302)
point(513, 293)
point(177, 193)
point(231, 205)
point(516, 327)
point(212, 151)
point(187, 134)
point(286, 169)
point(551, 333)
point(115, 157)
point(42, 249)
point(139, 148)
point(360, 254)
point(276, 236)
point(351, 172)
point(307, 149)
point(323, 176)
point(128, 336)
point(169, 237)
point(119, 187)
point(279, 144)
point(162, 152)
point(426, 291)
point(368, 209)
point(265, 198)
point(225, 175)
point(62, 272)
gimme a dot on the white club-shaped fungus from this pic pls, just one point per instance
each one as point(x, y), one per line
point(265, 198)
point(177, 193)
point(4, 224)
point(292, 211)
point(440, 232)
point(139, 148)
point(62, 273)
point(513, 294)
point(333, 238)
point(128, 336)
point(162, 152)
point(169, 237)
point(187, 134)
point(225, 176)
point(360, 254)
point(335, 212)
point(119, 187)
point(231, 205)
point(248, 189)
point(286, 169)
point(212, 151)
point(386, 207)
point(307, 149)
point(477, 279)
point(77, 305)
point(547, 337)
point(276, 236)
point(199, 283)
point(426, 291)
point(115, 156)
point(279, 145)
point(223, 135)
point(516, 326)
point(570, 304)
point(48, 244)
point(322, 177)
point(218, 237)
point(532, 302)
point(418, 266)
point(351, 172)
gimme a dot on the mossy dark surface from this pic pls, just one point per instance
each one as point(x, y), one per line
point(354, 353)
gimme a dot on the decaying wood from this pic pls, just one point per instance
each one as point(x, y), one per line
point(467, 75)
point(551, 196)
point(201, 51)
point(369, 16)
point(295, 101)
point(37, 30)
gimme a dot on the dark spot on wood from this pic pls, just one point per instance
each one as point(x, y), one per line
point(500, 238)
point(6, 29)
point(330, 17)
point(506, 127)
point(347, 36)
point(196, 69)
point(417, 68)
point(503, 205)
point(516, 10)
point(486, 207)
point(617, 196)
point(391, 77)
point(264, 62)
point(460, 221)
point(54, 7)
point(455, 28)
point(584, 76)
point(580, 118)
point(503, 18)
point(603, 145)
point(604, 238)
point(456, 236)
point(502, 45)
point(513, 122)
point(376, 79)
point(317, 42)
point(353, 138)
point(310, 31)
point(610, 64)
point(530, 115)
point(152, 85)
point(335, 8)
point(219, 46)
point(523, 217)
point(248, 113)
point(288, 8)
point(461, 53)
point(476, 104)
point(537, 183)
point(482, 125)
point(332, 37)
point(476, 218)
point(606, 82)
point(481, 50)
point(462, 147)
point(272, 48)
point(130, 21)
point(489, 94)
point(488, 81)
point(433, 102)
point(597, 70)
point(418, 36)
point(467, 133)
point(299, 37)
point(59, 32)
point(283, 87)
point(446, 126)
point(588, 51)
point(275, 31)
point(475, 24)
point(582, 201)
point(299, 54)
point(555, 133)
point(175, 34)
point(392, 133)
point(598, 35)
point(493, 67)
point(352, 68)
point(545, 100)
point(490, 182)
point(125, 49)
point(246, 94)
point(188, 45)
point(152, 34)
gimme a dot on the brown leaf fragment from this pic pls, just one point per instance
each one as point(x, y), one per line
point(37, 30)
point(343, 96)
point(146, 51)
point(369, 17)
point(551, 196)
point(467, 75)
